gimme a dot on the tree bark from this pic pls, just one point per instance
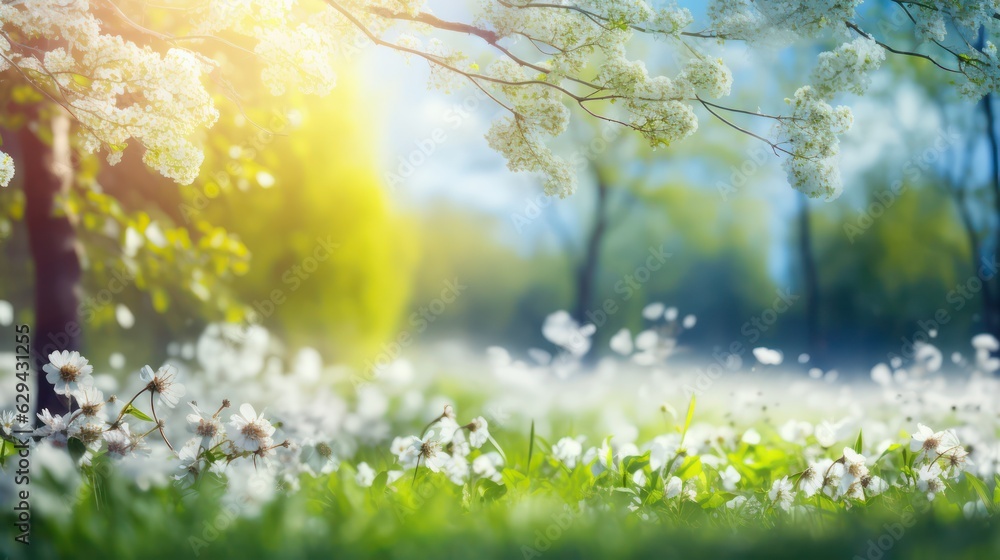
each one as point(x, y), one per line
point(52, 241)
point(587, 275)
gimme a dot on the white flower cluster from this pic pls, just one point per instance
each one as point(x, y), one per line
point(117, 90)
point(653, 105)
point(211, 448)
point(848, 68)
point(982, 73)
point(121, 91)
point(812, 133)
point(707, 76)
point(545, 56)
point(6, 169)
point(778, 22)
point(751, 463)
point(653, 345)
point(849, 478)
point(443, 448)
point(538, 114)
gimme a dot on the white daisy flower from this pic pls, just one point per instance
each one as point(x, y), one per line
point(403, 449)
point(8, 420)
point(121, 443)
point(928, 480)
point(730, 477)
point(663, 450)
point(319, 458)
point(873, 485)
point(89, 433)
point(928, 442)
point(253, 432)
point(956, 461)
point(457, 469)
point(190, 464)
point(487, 466)
point(673, 488)
point(365, 476)
point(447, 428)
point(205, 426)
point(832, 480)
point(567, 450)
point(429, 450)
point(736, 502)
point(925, 440)
point(751, 437)
point(163, 384)
point(91, 402)
point(855, 469)
point(458, 446)
point(54, 428)
point(854, 492)
point(814, 477)
point(782, 493)
point(68, 372)
point(479, 432)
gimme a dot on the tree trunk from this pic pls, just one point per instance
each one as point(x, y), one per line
point(810, 282)
point(991, 134)
point(48, 174)
point(587, 275)
point(974, 248)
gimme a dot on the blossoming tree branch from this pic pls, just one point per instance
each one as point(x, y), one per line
point(123, 82)
point(108, 76)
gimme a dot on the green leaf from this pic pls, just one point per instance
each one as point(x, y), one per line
point(491, 491)
point(714, 501)
point(859, 444)
point(691, 467)
point(687, 419)
point(378, 485)
point(981, 489)
point(889, 450)
point(635, 463)
point(137, 413)
point(514, 479)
